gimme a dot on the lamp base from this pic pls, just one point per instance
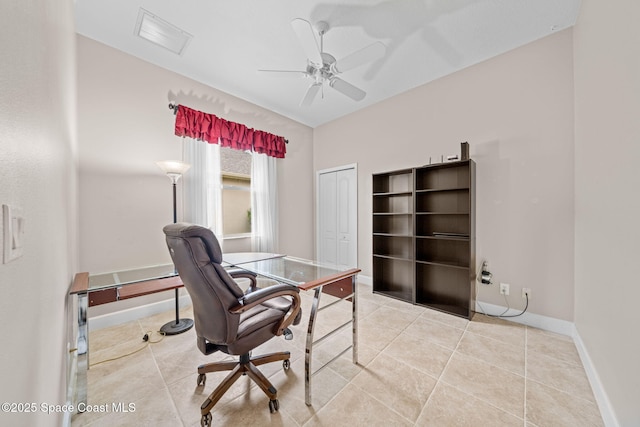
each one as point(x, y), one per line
point(175, 328)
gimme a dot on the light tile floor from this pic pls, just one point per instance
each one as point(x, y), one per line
point(417, 367)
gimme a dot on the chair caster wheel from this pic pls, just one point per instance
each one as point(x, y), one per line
point(206, 420)
point(288, 335)
point(286, 364)
point(202, 379)
point(274, 405)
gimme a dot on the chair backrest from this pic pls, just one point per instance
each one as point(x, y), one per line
point(197, 256)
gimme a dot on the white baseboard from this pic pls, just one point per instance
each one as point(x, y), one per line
point(134, 313)
point(530, 319)
point(365, 280)
point(546, 323)
point(604, 404)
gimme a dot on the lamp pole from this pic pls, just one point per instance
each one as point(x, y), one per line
point(174, 171)
point(175, 213)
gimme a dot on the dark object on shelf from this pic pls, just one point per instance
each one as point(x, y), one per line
point(464, 151)
point(424, 236)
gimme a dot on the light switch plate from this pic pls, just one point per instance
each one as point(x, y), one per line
point(13, 226)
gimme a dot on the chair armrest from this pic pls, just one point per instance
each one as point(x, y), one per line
point(264, 294)
point(238, 273)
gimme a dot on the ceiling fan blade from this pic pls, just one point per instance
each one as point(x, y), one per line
point(310, 95)
point(306, 35)
point(366, 54)
point(347, 89)
point(284, 71)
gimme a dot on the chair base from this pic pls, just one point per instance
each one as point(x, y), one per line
point(247, 365)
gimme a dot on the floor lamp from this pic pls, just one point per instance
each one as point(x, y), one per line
point(174, 170)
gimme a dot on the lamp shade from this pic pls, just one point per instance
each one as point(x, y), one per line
point(173, 168)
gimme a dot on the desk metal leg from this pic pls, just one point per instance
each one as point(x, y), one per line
point(82, 346)
point(308, 374)
point(354, 316)
point(315, 308)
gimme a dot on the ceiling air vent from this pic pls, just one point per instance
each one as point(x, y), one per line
point(160, 32)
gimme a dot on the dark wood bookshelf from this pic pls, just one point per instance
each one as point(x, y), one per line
point(424, 236)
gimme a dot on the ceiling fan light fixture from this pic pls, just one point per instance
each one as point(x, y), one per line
point(322, 67)
point(160, 32)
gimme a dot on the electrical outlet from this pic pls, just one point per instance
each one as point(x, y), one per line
point(526, 293)
point(504, 288)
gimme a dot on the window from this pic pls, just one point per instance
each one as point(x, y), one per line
point(235, 168)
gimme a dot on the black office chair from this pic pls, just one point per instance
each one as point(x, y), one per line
point(226, 319)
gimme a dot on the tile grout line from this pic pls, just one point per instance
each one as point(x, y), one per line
point(467, 393)
point(522, 375)
point(572, 395)
point(545, 356)
point(378, 400)
point(438, 380)
point(166, 386)
point(378, 355)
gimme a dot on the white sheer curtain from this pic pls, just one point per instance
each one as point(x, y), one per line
point(264, 203)
point(203, 185)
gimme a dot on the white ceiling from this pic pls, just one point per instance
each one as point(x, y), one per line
point(232, 40)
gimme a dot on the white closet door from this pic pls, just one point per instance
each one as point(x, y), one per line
point(337, 217)
point(328, 219)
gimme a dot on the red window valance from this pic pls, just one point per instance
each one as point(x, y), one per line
point(208, 127)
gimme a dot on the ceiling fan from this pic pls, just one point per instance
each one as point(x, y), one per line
point(323, 67)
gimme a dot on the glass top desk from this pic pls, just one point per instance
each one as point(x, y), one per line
point(108, 287)
point(97, 289)
point(309, 276)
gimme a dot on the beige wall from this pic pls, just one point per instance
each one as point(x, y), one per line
point(516, 112)
point(607, 203)
point(125, 126)
point(37, 174)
